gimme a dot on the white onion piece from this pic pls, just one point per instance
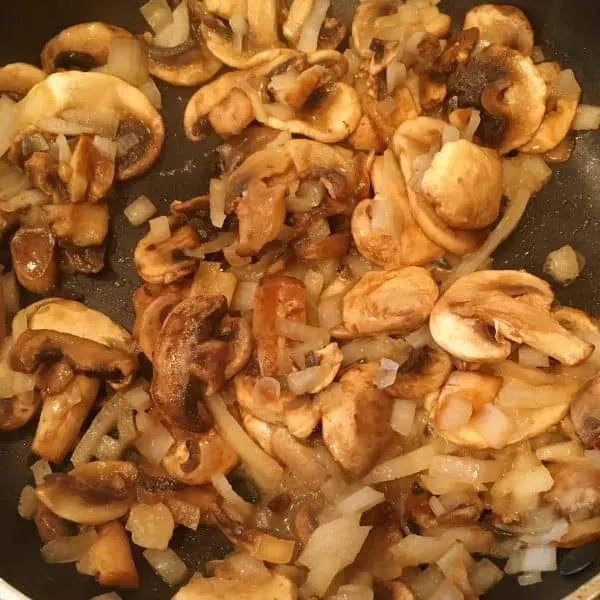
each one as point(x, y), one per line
point(330, 311)
point(247, 567)
point(126, 142)
point(536, 558)
point(158, 14)
point(353, 592)
point(493, 425)
point(231, 498)
point(524, 483)
point(178, 31)
point(266, 390)
point(139, 211)
point(382, 214)
point(403, 416)
point(373, 349)
point(530, 357)
point(465, 469)
point(243, 297)
point(484, 575)
point(360, 501)
point(587, 118)
point(565, 85)
point(450, 134)
point(69, 549)
point(437, 508)
point(309, 37)
point(154, 440)
point(395, 76)
point(301, 332)
point(217, 191)
point(7, 123)
point(561, 452)
point(314, 282)
point(64, 150)
point(151, 91)
point(138, 397)
point(386, 374)
point(564, 265)
point(455, 413)
point(302, 382)
point(60, 126)
point(160, 230)
point(28, 503)
point(283, 81)
point(472, 125)
point(554, 534)
point(99, 120)
point(151, 525)
point(407, 464)
point(40, 469)
point(106, 147)
point(34, 143)
point(239, 27)
point(530, 578)
point(12, 181)
point(168, 565)
point(126, 60)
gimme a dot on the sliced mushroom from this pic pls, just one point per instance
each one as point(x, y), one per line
point(508, 89)
point(17, 411)
point(49, 176)
point(425, 372)
point(196, 343)
point(150, 320)
point(503, 25)
point(195, 458)
point(383, 228)
point(396, 301)
point(260, 44)
point(81, 47)
point(33, 254)
point(16, 79)
point(130, 108)
point(356, 424)
point(94, 494)
point(84, 224)
point(516, 305)
point(166, 262)
point(576, 491)
point(50, 526)
point(585, 413)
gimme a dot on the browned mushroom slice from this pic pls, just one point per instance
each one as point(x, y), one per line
point(33, 253)
point(195, 458)
point(396, 301)
point(503, 25)
point(36, 347)
point(516, 304)
point(196, 343)
point(585, 413)
point(17, 411)
point(16, 79)
point(50, 526)
point(84, 224)
point(356, 425)
point(82, 47)
point(150, 320)
point(49, 176)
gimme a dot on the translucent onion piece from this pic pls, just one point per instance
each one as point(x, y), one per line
point(410, 463)
point(100, 120)
point(69, 549)
point(530, 357)
point(40, 469)
point(386, 374)
point(106, 147)
point(168, 565)
point(301, 332)
point(217, 193)
point(151, 91)
point(160, 230)
point(126, 142)
point(126, 60)
point(564, 265)
point(151, 525)
point(530, 578)
point(360, 501)
point(158, 14)
point(483, 576)
point(229, 495)
point(309, 37)
point(538, 558)
point(139, 211)
point(455, 413)
point(465, 469)
point(60, 126)
point(176, 32)
point(302, 382)
point(472, 125)
point(28, 503)
point(395, 75)
point(154, 440)
point(373, 349)
point(587, 118)
point(493, 425)
point(243, 297)
point(403, 416)
point(64, 150)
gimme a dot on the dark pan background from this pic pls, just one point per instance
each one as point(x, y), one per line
point(566, 211)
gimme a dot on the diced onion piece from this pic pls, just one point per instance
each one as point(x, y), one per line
point(407, 464)
point(450, 134)
point(69, 549)
point(64, 150)
point(126, 60)
point(247, 567)
point(395, 75)
point(7, 118)
point(313, 282)
point(466, 470)
point(373, 349)
point(158, 14)
point(382, 214)
point(564, 265)
point(28, 503)
point(126, 142)
point(151, 91)
point(309, 37)
point(308, 195)
point(403, 416)
point(302, 382)
point(530, 357)
point(231, 498)
point(60, 126)
point(455, 413)
point(587, 118)
point(221, 242)
point(414, 550)
point(330, 311)
point(140, 210)
point(151, 525)
point(353, 592)
point(243, 297)
point(562, 452)
point(34, 143)
point(160, 230)
point(283, 81)
point(425, 583)
point(138, 397)
point(330, 548)
point(272, 549)
point(261, 467)
point(100, 120)
point(524, 483)
point(217, 193)
point(279, 111)
point(536, 558)
point(360, 501)
point(40, 469)
point(437, 508)
point(448, 591)
point(12, 181)
point(472, 125)
point(154, 440)
point(566, 85)
point(530, 578)
point(168, 565)
point(493, 425)
point(484, 575)
point(239, 27)
point(554, 534)
point(386, 374)
point(301, 332)
point(106, 147)
point(176, 32)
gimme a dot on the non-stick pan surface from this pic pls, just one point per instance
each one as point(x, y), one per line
point(567, 211)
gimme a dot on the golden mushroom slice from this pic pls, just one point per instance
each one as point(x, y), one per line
point(396, 301)
point(383, 228)
point(502, 24)
point(34, 259)
point(16, 79)
point(124, 109)
point(585, 413)
point(516, 305)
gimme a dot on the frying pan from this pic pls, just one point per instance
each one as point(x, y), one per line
point(566, 211)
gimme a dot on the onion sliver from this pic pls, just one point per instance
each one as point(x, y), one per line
point(158, 14)
point(168, 565)
point(402, 466)
point(309, 37)
point(160, 230)
point(69, 549)
point(139, 211)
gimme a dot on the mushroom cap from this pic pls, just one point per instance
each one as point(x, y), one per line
point(82, 47)
point(502, 24)
point(516, 304)
point(585, 413)
point(74, 90)
point(16, 79)
point(395, 301)
point(33, 254)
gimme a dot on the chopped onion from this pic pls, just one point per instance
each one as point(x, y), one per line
point(454, 414)
point(587, 118)
point(126, 60)
point(450, 134)
point(301, 332)
point(154, 440)
point(100, 120)
point(168, 565)
point(353, 592)
point(530, 357)
point(483, 576)
point(158, 14)
point(414, 550)
point(308, 195)
point(126, 142)
point(12, 181)
point(465, 469)
point(554, 534)
point(330, 311)
point(472, 125)
point(35, 142)
point(330, 548)
point(524, 483)
point(40, 469)
point(279, 111)
point(407, 464)
point(139, 211)
point(151, 91)
point(69, 549)
point(302, 382)
point(536, 558)
point(28, 503)
point(403, 416)
point(160, 230)
point(382, 214)
point(151, 525)
point(60, 126)
point(564, 265)
point(566, 85)
point(217, 193)
point(106, 147)
point(265, 471)
point(313, 282)
point(360, 501)
point(374, 349)
point(309, 37)
point(437, 508)
point(239, 27)
point(243, 297)
point(7, 118)
point(176, 32)
point(562, 452)
point(395, 75)
point(138, 397)
point(224, 239)
point(530, 578)
point(493, 425)
point(64, 150)
point(425, 583)
point(283, 81)
point(386, 374)
point(247, 567)
point(231, 498)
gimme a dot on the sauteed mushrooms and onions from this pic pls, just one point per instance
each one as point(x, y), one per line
point(335, 377)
